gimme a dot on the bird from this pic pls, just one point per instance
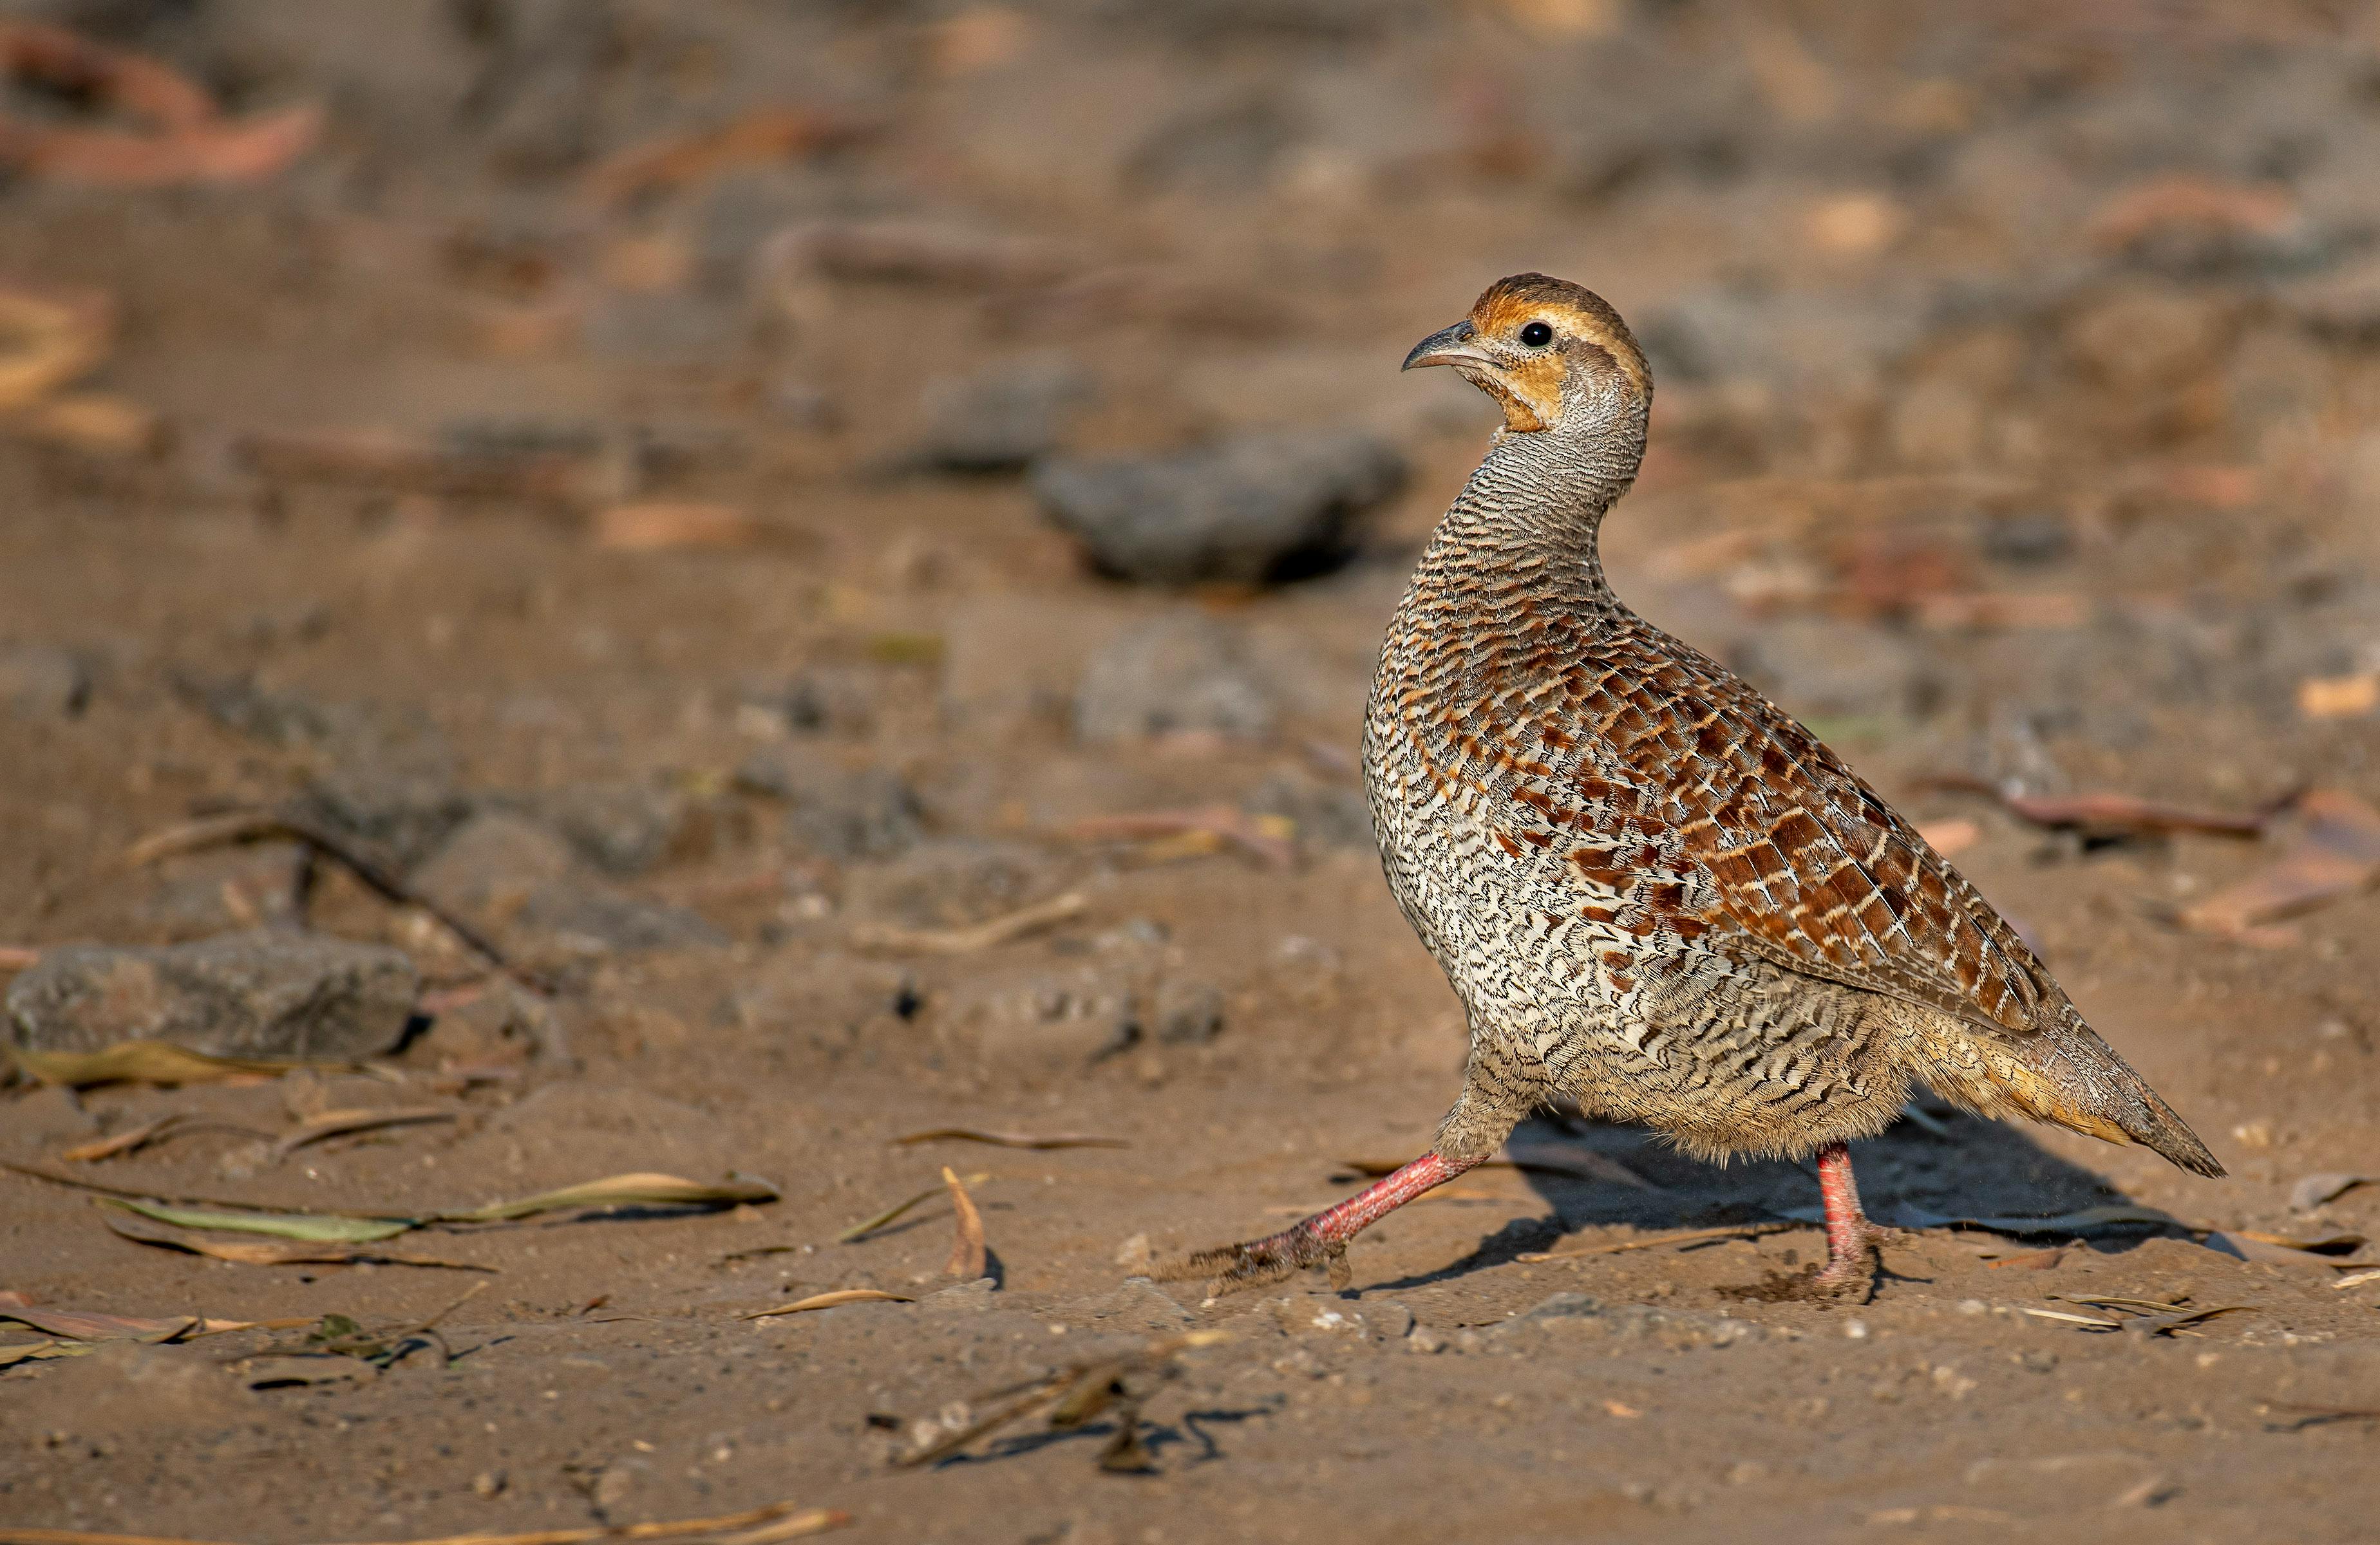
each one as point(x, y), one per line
point(1661, 899)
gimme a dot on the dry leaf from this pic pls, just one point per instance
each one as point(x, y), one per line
point(38, 1351)
point(78, 1325)
point(280, 1252)
point(620, 1190)
point(969, 1258)
point(831, 1301)
point(1009, 1140)
point(341, 1123)
point(122, 1142)
point(159, 1062)
point(312, 1228)
point(2334, 851)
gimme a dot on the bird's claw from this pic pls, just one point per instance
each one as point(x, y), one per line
point(1255, 1262)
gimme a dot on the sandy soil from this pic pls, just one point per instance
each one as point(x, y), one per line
point(2017, 383)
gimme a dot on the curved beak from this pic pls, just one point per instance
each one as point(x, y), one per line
point(1447, 347)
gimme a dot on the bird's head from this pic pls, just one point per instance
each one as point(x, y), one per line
point(1553, 355)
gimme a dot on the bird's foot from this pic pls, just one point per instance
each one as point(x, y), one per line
point(1255, 1262)
point(1849, 1274)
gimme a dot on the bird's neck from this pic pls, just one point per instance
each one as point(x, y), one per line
point(1533, 513)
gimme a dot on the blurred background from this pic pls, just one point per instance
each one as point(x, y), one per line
point(846, 541)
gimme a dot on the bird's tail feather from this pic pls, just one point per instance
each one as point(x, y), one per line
point(2063, 1073)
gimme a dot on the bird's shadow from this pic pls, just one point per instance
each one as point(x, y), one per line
point(1944, 1162)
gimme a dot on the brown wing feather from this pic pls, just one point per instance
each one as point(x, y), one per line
point(1815, 872)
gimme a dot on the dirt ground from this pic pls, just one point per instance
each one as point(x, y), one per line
point(2018, 423)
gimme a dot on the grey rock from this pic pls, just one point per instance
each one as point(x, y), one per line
point(1565, 1306)
point(1251, 510)
point(1187, 1013)
point(1185, 672)
point(967, 1298)
point(950, 883)
point(404, 804)
point(623, 829)
point(583, 920)
point(41, 681)
point(282, 719)
point(1002, 418)
point(837, 812)
point(260, 993)
point(493, 862)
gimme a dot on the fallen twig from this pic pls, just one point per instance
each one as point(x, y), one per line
point(1075, 1396)
point(1222, 823)
point(2109, 816)
point(266, 826)
point(1009, 1140)
point(987, 935)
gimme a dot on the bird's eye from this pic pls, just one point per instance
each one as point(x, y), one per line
point(1536, 335)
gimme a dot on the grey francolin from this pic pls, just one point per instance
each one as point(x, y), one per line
point(1656, 893)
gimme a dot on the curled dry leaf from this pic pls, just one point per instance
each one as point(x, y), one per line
point(2334, 852)
point(344, 1123)
point(898, 1210)
point(311, 1227)
point(969, 1255)
point(128, 1141)
point(1010, 1139)
point(833, 1300)
point(279, 1252)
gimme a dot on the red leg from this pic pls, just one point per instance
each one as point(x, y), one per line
point(1321, 1241)
point(1851, 1238)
